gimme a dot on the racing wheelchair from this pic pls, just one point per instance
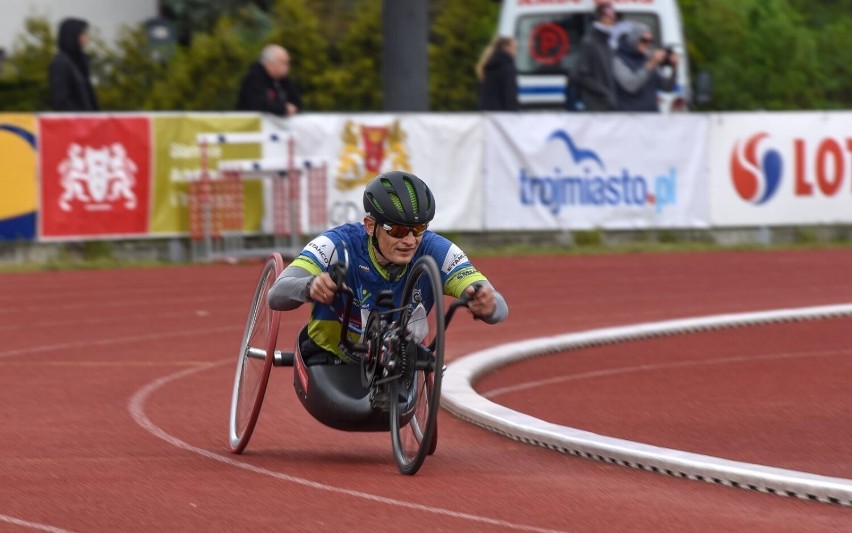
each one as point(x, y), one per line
point(394, 386)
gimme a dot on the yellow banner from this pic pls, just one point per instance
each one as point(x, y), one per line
point(177, 161)
point(18, 176)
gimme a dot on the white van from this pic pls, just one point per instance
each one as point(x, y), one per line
point(549, 33)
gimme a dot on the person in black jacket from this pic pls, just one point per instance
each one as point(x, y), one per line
point(498, 76)
point(68, 74)
point(592, 73)
point(267, 86)
point(639, 72)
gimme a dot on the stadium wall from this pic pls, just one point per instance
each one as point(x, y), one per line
point(124, 176)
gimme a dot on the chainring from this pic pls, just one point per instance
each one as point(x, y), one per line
point(373, 338)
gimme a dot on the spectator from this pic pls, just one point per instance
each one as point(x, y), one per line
point(498, 76)
point(68, 74)
point(592, 73)
point(638, 71)
point(267, 86)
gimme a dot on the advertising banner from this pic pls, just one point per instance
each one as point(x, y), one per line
point(95, 176)
point(18, 177)
point(444, 150)
point(578, 172)
point(781, 168)
point(177, 160)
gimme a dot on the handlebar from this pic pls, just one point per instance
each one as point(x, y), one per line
point(461, 301)
point(338, 275)
point(337, 271)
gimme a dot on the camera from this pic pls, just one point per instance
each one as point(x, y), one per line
point(667, 60)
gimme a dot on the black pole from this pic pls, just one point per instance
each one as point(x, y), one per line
point(405, 56)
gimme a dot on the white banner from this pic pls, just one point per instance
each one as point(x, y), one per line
point(781, 168)
point(583, 171)
point(442, 149)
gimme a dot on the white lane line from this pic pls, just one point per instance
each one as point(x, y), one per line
point(116, 340)
point(459, 397)
point(493, 393)
point(32, 525)
point(136, 407)
point(102, 304)
point(110, 319)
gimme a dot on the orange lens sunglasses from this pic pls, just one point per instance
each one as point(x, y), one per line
point(400, 231)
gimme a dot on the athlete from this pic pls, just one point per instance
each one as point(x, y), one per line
point(394, 234)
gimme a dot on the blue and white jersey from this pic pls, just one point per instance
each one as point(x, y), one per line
point(367, 278)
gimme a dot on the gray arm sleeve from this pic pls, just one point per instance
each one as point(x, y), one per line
point(288, 292)
point(630, 81)
point(501, 311)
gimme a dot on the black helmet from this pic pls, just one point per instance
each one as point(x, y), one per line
point(399, 198)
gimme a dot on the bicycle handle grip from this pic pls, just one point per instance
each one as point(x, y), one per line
point(476, 288)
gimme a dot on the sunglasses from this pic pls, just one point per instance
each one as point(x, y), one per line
point(646, 40)
point(400, 231)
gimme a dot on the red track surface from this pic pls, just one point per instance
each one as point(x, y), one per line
point(115, 386)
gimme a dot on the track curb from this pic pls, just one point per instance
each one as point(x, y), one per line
point(459, 397)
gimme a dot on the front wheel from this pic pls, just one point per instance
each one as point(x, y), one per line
point(255, 358)
point(416, 394)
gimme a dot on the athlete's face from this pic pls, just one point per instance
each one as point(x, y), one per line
point(399, 251)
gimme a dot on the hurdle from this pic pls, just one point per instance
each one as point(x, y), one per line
point(295, 190)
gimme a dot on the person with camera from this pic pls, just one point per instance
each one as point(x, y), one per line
point(640, 72)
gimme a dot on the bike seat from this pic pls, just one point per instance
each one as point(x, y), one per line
point(333, 393)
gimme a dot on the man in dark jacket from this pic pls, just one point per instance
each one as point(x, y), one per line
point(267, 86)
point(68, 74)
point(592, 73)
point(638, 71)
point(498, 77)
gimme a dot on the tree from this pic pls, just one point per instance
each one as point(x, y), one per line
point(760, 53)
point(296, 28)
point(355, 82)
point(23, 85)
point(834, 48)
point(129, 72)
point(201, 16)
point(205, 76)
point(460, 31)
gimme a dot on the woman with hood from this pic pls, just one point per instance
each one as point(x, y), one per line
point(68, 75)
point(498, 76)
point(638, 71)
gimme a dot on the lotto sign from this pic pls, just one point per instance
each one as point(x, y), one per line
point(781, 169)
point(95, 176)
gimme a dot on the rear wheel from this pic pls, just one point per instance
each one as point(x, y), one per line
point(416, 394)
point(255, 358)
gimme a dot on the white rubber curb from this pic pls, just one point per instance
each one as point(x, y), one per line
point(459, 397)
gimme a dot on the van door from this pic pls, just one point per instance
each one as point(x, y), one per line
point(549, 39)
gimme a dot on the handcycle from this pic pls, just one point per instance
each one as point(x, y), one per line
point(395, 385)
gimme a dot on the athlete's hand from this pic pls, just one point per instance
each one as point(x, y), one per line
point(481, 303)
point(322, 289)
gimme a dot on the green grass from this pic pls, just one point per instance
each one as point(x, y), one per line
point(75, 264)
point(101, 254)
point(644, 247)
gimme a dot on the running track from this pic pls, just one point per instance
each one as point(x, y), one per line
point(115, 386)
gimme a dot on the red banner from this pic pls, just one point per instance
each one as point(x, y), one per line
point(95, 176)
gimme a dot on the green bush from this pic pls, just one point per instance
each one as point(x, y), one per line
point(460, 32)
point(23, 82)
point(296, 27)
point(762, 54)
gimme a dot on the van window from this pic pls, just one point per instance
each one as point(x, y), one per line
point(549, 43)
